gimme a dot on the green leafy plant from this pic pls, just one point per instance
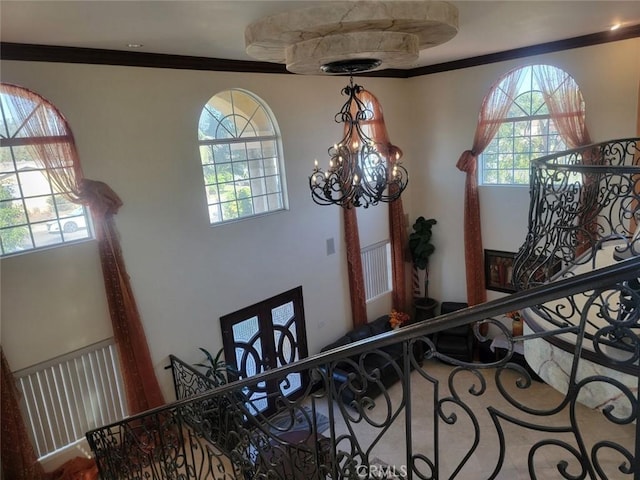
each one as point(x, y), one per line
point(421, 249)
point(10, 214)
point(215, 367)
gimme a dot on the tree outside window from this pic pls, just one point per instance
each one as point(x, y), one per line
point(34, 212)
point(240, 156)
point(526, 133)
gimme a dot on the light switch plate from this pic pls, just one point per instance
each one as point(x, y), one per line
point(331, 246)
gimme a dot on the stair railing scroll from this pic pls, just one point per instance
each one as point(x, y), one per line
point(218, 434)
point(580, 199)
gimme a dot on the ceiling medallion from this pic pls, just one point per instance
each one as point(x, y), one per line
point(351, 66)
point(373, 35)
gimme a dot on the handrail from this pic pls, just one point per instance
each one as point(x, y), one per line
point(545, 162)
point(362, 395)
point(588, 281)
point(580, 200)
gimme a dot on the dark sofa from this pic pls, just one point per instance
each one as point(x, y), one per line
point(351, 384)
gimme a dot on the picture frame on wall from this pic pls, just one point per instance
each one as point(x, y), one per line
point(498, 270)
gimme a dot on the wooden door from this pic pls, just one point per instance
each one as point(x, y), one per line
point(264, 336)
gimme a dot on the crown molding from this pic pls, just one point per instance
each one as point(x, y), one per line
point(625, 33)
point(93, 56)
point(96, 56)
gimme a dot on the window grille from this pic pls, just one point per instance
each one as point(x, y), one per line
point(241, 156)
point(376, 267)
point(65, 397)
point(526, 132)
point(35, 212)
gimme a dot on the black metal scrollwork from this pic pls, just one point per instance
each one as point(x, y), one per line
point(341, 428)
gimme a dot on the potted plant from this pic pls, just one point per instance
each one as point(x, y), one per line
point(221, 415)
point(421, 249)
point(215, 367)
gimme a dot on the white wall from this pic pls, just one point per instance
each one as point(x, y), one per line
point(136, 130)
point(41, 314)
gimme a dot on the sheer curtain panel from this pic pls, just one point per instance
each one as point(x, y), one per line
point(51, 143)
point(494, 108)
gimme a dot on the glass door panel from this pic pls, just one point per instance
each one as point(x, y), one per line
point(248, 360)
point(267, 335)
point(285, 340)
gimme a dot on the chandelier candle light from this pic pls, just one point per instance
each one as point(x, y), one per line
point(359, 174)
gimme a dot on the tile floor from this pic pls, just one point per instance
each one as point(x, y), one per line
point(457, 438)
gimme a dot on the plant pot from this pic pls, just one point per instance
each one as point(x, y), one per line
point(425, 308)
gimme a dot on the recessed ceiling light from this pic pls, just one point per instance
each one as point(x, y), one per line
point(135, 45)
point(615, 26)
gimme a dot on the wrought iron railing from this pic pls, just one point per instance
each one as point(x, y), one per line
point(584, 213)
point(433, 417)
point(581, 199)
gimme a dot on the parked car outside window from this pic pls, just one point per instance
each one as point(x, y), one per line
point(72, 223)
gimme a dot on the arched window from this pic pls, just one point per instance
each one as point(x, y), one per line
point(241, 154)
point(528, 130)
point(35, 210)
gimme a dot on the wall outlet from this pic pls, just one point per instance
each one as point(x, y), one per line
point(331, 246)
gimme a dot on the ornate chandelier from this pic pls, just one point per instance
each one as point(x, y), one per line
point(361, 171)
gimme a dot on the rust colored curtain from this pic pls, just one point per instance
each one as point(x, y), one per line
point(19, 461)
point(357, 295)
point(566, 106)
point(141, 385)
point(60, 157)
point(399, 243)
point(494, 108)
point(39, 119)
point(397, 228)
point(354, 263)
point(565, 103)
